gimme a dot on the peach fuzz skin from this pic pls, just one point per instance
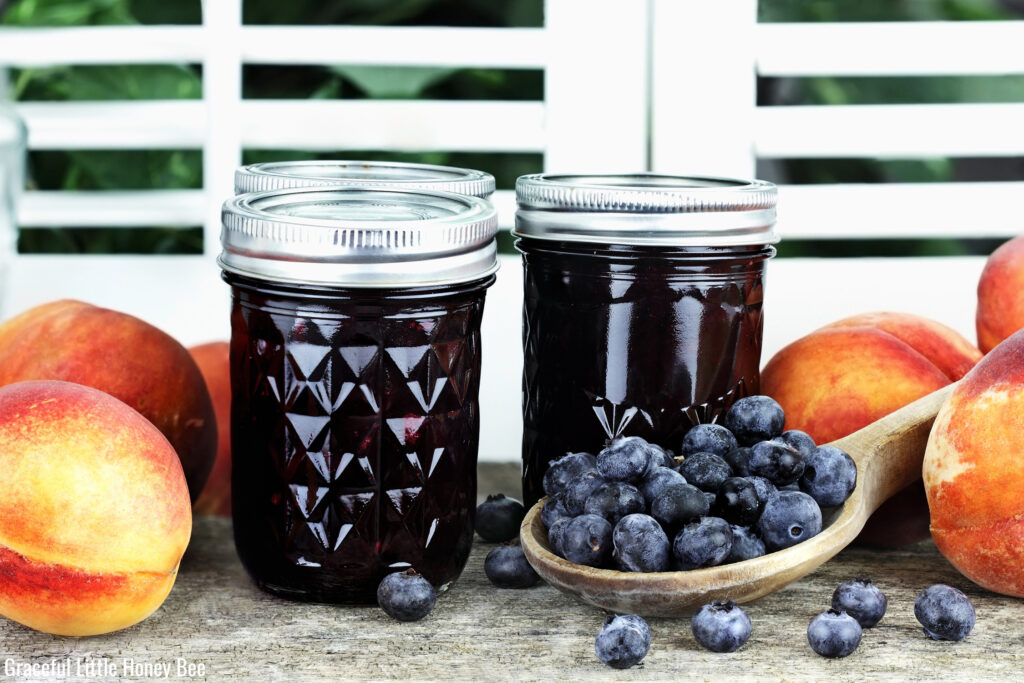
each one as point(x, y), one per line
point(94, 510)
point(214, 362)
point(850, 373)
point(1000, 304)
point(973, 472)
point(124, 357)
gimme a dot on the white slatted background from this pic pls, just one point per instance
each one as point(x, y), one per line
point(666, 85)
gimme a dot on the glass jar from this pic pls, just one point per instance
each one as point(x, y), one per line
point(279, 175)
point(355, 359)
point(642, 310)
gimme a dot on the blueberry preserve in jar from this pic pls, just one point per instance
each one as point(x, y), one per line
point(642, 310)
point(355, 358)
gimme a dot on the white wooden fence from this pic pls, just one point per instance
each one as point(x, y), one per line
point(664, 85)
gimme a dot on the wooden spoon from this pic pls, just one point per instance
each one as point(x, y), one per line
point(888, 454)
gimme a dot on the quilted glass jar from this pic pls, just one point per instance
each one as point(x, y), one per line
point(355, 359)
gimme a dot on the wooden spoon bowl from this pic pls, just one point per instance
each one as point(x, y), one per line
point(888, 454)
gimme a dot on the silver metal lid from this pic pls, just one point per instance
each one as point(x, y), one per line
point(359, 237)
point(646, 209)
point(279, 175)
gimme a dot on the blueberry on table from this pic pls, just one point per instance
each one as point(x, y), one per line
point(702, 544)
point(834, 634)
point(623, 641)
point(737, 503)
point(627, 459)
point(657, 480)
point(588, 541)
point(566, 469)
point(789, 518)
point(776, 461)
point(754, 418)
point(801, 441)
point(706, 471)
point(746, 545)
point(679, 504)
point(945, 612)
point(577, 492)
point(553, 510)
point(506, 567)
point(640, 545)
point(721, 626)
point(708, 438)
point(739, 460)
point(829, 477)
point(614, 500)
point(862, 600)
point(406, 596)
point(498, 518)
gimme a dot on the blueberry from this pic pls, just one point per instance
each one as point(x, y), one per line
point(639, 544)
point(498, 518)
point(753, 419)
point(789, 518)
point(721, 626)
point(737, 503)
point(553, 510)
point(679, 504)
point(706, 471)
point(623, 641)
point(577, 492)
point(710, 498)
point(702, 544)
point(801, 441)
point(506, 567)
point(556, 535)
point(746, 544)
point(764, 489)
point(833, 634)
point(588, 540)
point(614, 500)
point(776, 461)
point(708, 438)
point(945, 612)
point(862, 600)
point(739, 460)
point(830, 475)
point(566, 469)
point(657, 480)
point(406, 596)
point(627, 459)
point(661, 456)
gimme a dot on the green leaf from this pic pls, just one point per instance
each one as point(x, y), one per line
point(391, 82)
point(134, 82)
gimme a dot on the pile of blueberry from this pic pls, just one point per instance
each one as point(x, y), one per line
point(738, 490)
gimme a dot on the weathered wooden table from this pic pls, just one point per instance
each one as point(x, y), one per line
point(218, 623)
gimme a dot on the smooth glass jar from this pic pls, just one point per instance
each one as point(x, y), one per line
point(355, 359)
point(642, 310)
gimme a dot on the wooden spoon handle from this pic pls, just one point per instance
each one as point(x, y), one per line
point(889, 452)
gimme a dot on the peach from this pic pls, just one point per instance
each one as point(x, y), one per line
point(852, 372)
point(94, 510)
point(213, 362)
point(124, 357)
point(973, 473)
point(1000, 305)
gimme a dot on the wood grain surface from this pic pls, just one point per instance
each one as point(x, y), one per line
point(216, 618)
